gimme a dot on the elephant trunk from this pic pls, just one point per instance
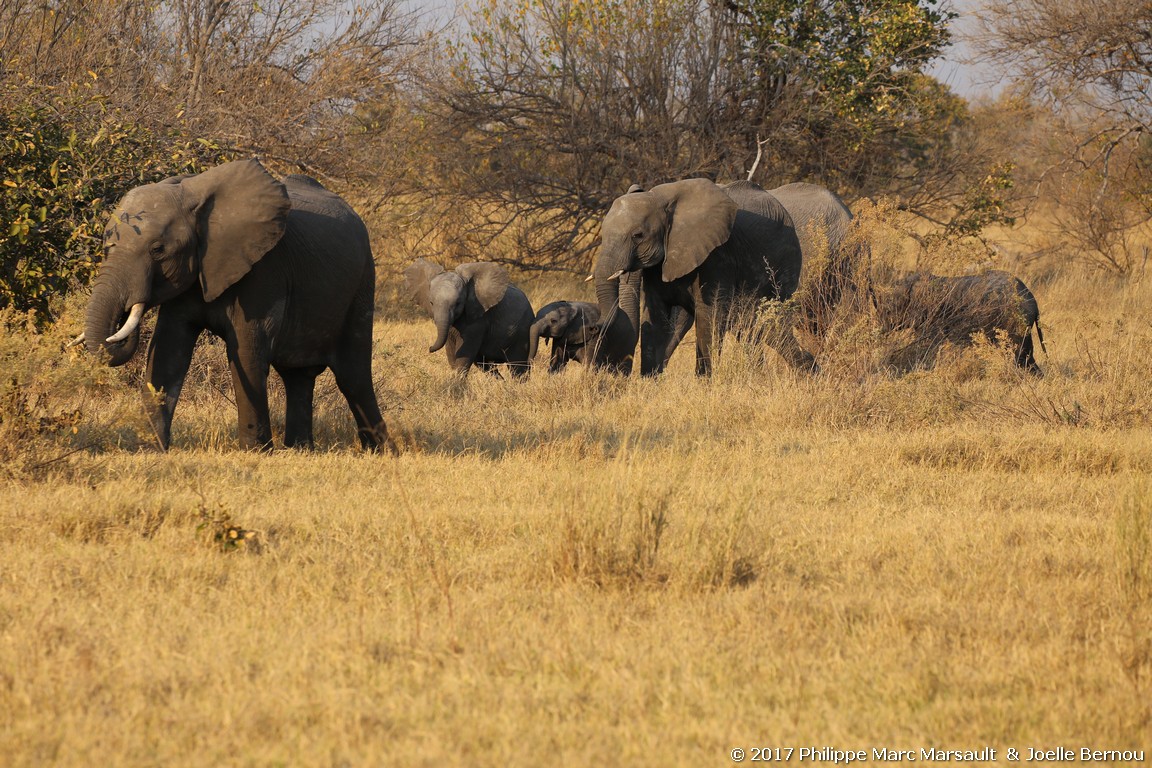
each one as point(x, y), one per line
point(620, 296)
point(106, 318)
point(619, 301)
point(443, 319)
point(607, 295)
point(615, 276)
point(534, 337)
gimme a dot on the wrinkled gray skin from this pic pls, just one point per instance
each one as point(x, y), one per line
point(481, 318)
point(281, 271)
point(574, 330)
point(939, 309)
point(698, 248)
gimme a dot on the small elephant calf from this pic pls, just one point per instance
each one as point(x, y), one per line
point(481, 318)
point(953, 309)
point(573, 327)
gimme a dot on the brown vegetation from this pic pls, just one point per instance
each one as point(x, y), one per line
point(603, 569)
point(581, 568)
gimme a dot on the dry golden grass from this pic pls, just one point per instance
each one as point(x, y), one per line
point(582, 570)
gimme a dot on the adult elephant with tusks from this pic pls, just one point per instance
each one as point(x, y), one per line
point(281, 271)
point(697, 248)
point(481, 318)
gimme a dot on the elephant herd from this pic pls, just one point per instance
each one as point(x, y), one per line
point(283, 272)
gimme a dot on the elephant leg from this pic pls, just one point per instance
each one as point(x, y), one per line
point(796, 356)
point(782, 338)
point(463, 346)
point(352, 367)
point(1026, 355)
point(559, 356)
point(299, 386)
point(451, 346)
point(169, 355)
point(682, 321)
point(519, 369)
point(250, 387)
point(585, 355)
point(655, 335)
point(519, 364)
point(489, 368)
point(356, 386)
point(705, 330)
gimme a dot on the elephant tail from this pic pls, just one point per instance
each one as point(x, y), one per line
point(1040, 335)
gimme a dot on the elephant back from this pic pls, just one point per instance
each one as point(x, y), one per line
point(310, 198)
point(750, 196)
point(762, 256)
point(322, 222)
point(819, 215)
point(520, 307)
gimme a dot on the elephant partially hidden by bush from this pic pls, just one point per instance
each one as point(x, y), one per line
point(699, 249)
point(281, 271)
point(481, 318)
point(939, 309)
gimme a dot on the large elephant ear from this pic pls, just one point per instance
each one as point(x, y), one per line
point(241, 213)
point(489, 281)
point(701, 215)
point(418, 278)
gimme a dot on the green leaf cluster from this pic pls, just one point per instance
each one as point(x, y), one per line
point(857, 54)
point(857, 67)
point(66, 157)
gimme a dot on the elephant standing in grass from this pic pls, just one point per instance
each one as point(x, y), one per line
point(281, 271)
point(574, 330)
point(954, 309)
point(700, 249)
point(481, 318)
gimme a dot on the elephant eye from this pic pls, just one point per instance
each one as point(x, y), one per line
point(638, 235)
point(157, 250)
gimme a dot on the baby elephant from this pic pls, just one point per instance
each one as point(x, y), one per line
point(481, 318)
point(939, 309)
point(573, 327)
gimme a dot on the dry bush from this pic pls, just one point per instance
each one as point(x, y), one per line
point(1099, 221)
point(312, 85)
point(887, 320)
point(54, 401)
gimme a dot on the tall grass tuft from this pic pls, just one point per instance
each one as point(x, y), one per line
point(1134, 570)
point(611, 536)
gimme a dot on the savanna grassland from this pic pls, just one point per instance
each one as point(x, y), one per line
point(583, 570)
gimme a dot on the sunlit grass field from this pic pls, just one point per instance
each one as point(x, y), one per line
point(584, 570)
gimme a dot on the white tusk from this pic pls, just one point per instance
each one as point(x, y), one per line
point(589, 278)
point(615, 274)
point(78, 340)
point(130, 324)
